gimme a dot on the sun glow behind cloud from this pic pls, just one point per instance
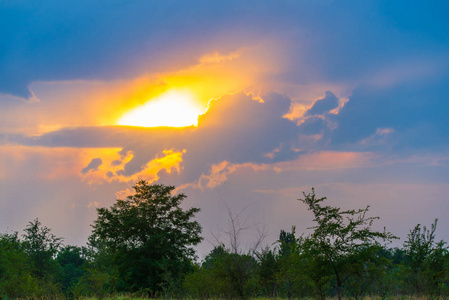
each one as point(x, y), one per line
point(173, 109)
point(138, 101)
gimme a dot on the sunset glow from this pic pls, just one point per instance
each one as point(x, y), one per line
point(239, 106)
point(172, 109)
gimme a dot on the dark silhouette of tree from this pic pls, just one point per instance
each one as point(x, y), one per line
point(425, 258)
point(16, 279)
point(41, 246)
point(287, 241)
point(340, 238)
point(289, 272)
point(148, 236)
point(268, 268)
point(230, 275)
point(72, 260)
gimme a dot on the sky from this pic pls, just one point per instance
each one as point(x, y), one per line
point(241, 105)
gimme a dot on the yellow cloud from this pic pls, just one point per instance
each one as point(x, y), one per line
point(219, 173)
point(53, 164)
point(97, 103)
point(113, 165)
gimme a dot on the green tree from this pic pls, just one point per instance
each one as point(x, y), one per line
point(268, 268)
point(425, 259)
point(314, 270)
point(340, 237)
point(370, 270)
point(289, 270)
point(93, 282)
point(287, 242)
point(41, 246)
point(233, 275)
point(16, 279)
point(148, 237)
point(216, 266)
point(200, 283)
point(437, 268)
point(71, 259)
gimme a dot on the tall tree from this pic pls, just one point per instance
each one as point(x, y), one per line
point(425, 258)
point(148, 236)
point(341, 238)
point(289, 270)
point(268, 268)
point(41, 246)
point(71, 259)
point(16, 279)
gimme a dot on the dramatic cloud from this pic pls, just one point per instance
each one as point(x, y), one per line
point(349, 97)
point(412, 115)
point(236, 128)
point(324, 105)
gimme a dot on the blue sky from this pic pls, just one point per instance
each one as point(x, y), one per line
point(350, 97)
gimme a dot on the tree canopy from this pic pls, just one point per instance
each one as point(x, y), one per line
point(148, 236)
point(342, 239)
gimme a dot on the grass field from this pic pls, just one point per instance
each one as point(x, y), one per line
point(121, 297)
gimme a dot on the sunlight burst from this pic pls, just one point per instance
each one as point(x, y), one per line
point(173, 109)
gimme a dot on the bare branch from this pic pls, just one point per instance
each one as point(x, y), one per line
point(238, 223)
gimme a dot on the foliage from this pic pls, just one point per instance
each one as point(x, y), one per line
point(147, 235)
point(230, 275)
point(41, 246)
point(425, 259)
point(16, 279)
point(289, 270)
point(200, 283)
point(340, 238)
point(92, 282)
point(287, 241)
point(72, 260)
point(267, 270)
point(143, 246)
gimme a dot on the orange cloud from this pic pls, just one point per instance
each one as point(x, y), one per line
point(219, 173)
point(95, 103)
point(325, 160)
point(113, 165)
point(52, 164)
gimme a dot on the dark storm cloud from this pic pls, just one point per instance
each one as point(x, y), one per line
point(92, 166)
point(314, 125)
point(236, 128)
point(100, 137)
point(415, 111)
point(239, 129)
point(324, 105)
point(409, 116)
point(316, 120)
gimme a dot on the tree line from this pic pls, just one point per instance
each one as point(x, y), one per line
point(144, 246)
